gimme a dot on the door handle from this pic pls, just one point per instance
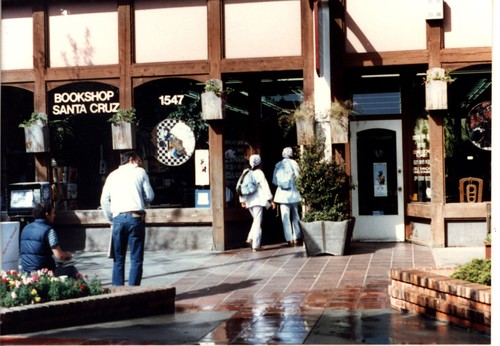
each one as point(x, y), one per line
point(400, 188)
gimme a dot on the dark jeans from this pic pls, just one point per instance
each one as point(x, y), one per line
point(128, 231)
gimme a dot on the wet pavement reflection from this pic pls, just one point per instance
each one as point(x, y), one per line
point(276, 296)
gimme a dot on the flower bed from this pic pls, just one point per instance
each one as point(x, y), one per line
point(123, 302)
point(18, 289)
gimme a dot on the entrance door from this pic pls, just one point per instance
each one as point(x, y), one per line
point(377, 176)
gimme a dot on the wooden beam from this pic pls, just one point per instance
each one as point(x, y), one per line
point(216, 130)
point(125, 52)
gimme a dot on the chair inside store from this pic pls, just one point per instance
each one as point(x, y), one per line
point(471, 190)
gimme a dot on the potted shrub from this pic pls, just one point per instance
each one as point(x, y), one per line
point(36, 132)
point(212, 102)
point(123, 129)
point(326, 224)
point(340, 113)
point(436, 88)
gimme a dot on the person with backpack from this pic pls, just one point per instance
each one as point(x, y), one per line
point(287, 196)
point(255, 195)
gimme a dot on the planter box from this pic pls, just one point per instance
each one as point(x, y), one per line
point(327, 237)
point(212, 107)
point(339, 129)
point(305, 131)
point(436, 91)
point(124, 302)
point(123, 135)
point(440, 297)
point(37, 139)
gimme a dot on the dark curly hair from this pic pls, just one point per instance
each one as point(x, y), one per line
point(41, 210)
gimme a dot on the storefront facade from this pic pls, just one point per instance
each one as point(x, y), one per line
point(81, 63)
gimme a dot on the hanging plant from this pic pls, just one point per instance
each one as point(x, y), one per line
point(36, 119)
point(123, 129)
point(126, 115)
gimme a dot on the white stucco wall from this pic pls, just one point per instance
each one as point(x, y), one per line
point(17, 39)
point(262, 28)
point(83, 34)
point(171, 30)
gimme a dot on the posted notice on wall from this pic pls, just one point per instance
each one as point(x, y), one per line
point(202, 176)
point(379, 178)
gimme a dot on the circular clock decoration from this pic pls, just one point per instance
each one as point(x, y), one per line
point(479, 125)
point(174, 142)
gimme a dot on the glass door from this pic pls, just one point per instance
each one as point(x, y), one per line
point(377, 175)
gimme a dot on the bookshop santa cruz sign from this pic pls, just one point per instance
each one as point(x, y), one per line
point(84, 98)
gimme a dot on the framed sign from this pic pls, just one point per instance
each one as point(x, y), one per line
point(379, 179)
point(174, 142)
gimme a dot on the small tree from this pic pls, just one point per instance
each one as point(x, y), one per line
point(324, 186)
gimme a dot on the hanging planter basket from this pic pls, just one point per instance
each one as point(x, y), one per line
point(305, 131)
point(37, 139)
point(339, 129)
point(436, 89)
point(123, 134)
point(212, 100)
point(212, 106)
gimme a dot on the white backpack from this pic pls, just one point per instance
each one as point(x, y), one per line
point(246, 185)
point(285, 175)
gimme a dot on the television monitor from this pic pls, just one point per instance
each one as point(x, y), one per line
point(24, 196)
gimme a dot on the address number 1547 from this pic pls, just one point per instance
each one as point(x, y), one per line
point(167, 100)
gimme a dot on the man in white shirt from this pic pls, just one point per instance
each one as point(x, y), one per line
point(123, 199)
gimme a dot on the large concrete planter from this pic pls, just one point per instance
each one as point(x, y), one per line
point(327, 237)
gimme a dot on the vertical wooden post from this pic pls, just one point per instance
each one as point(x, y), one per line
point(125, 52)
point(436, 138)
point(216, 130)
point(42, 160)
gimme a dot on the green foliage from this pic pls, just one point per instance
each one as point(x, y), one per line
point(60, 129)
point(214, 86)
point(127, 115)
point(192, 118)
point(437, 76)
point(324, 186)
point(36, 118)
point(287, 119)
point(477, 271)
point(17, 289)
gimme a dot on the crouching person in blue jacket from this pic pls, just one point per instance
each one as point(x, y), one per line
point(40, 246)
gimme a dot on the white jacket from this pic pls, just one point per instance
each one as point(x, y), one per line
point(263, 196)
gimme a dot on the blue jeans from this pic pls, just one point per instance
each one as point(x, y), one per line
point(290, 220)
point(128, 231)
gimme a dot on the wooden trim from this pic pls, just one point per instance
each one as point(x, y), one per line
point(82, 73)
point(170, 216)
point(474, 55)
point(168, 69)
point(386, 58)
point(262, 64)
point(17, 76)
point(451, 211)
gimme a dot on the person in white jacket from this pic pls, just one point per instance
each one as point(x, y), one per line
point(288, 198)
point(256, 202)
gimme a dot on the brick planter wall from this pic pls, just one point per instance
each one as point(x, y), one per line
point(122, 303)
point(458, 302)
